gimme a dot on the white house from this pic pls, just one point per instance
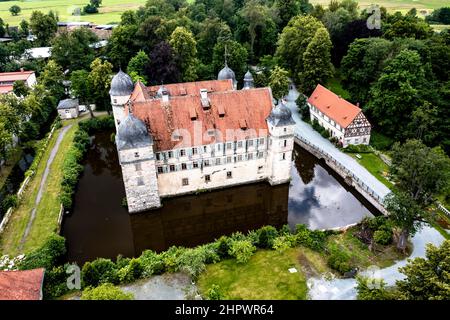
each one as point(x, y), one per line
point(342, 119)
point(186, 137)
point(68, 109)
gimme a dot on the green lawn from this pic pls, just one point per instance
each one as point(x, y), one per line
point(109, 12)
point(375, 166)
point(46, 220)
point(396, 5)
point(265, 276)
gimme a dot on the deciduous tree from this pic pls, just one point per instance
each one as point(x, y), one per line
point(44, 26)
point(184, 45)
point(279, 82)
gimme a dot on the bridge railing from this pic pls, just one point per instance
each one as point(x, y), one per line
point(330, 158)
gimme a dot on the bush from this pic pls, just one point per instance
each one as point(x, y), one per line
point(380, 141)
point(55, 282)
point(214, 293)
point(132, 271)
point(99, 271)
point(383, 237)
point(191, 261)
point(312, 239)
point(105, 292)
point(152, 263)
point(242, 250)
point(266, 235)
point(372, 289)
point(360, 148)
point(10, 201)
point(283, 243)
point(170, 258)
point(47, 256)
point(223, 246)
point(339, 261)
point(89, 9)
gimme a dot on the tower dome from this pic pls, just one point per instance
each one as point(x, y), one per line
point(248, 80)
point(121, 84)
point(132, 133)
point(281, 115)
point(226, 73)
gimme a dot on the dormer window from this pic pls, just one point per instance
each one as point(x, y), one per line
point(136, 154)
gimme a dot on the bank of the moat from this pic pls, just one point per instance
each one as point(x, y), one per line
point(99, 226)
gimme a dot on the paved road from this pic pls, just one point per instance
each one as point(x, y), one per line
point(307, 132)
point(43, 181)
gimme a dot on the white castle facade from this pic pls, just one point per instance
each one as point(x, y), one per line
point(190, 137)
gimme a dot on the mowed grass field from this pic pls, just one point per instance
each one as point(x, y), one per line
point(111, 10)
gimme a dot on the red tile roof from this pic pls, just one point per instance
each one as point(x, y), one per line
point(335, 107)
point(14, 76)
point(193, 88)
point(21, 285)
point(6, 89)
point(175, 118)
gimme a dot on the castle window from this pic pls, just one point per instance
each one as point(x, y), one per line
point(250, 156)
point(285, 143)
point(182, 152)
point(140, 181)
point(172, 167)
point(114, 101)
point(194, 150)
point(160, 170)
point(239, 157)
point(285, 129)
point(158, 156)
point(195, 165)
point(138, 167)
point(250, 143)
point(260, 169)
point(260, 155)
point(136, 154)
point(206, 163)
point(207, 178)
point(204, 148)
point(284, 156)
point(228, 159)
point(261, 141)
point(183, 166)
point(229, 146)
point(240, 144)
point(185, 181)
point(170, 154)
point(217, 161)
point(229, 175)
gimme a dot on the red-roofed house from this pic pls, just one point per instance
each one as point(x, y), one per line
point(342, 119)
point(7, 80)
point(180, 138)
point(21, 285)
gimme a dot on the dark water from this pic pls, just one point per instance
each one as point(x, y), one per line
point(100, 227)
point(15, 178)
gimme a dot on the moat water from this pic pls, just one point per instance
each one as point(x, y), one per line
point(99, 226)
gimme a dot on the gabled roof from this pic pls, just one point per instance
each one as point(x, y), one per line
point(225, 114)
point(6, 89)
point(333, 106)
point(14, 76)
point(21, 285)
point(67, 104)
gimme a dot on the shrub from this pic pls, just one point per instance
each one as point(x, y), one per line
point(223, 246)
point(55, 282)
point(122, 262)
point(372, 289)
point(312, 239)
point(283, 243)
point(9, 201)
point(105, 292)
point(47, 256)
point(242, 250)
point(380, 141)
point(383, 236)
point(191, 261)
point(214, 293)
point(99, 271)
point(210, 252)
point(170, 258)
point(360, 148)
point(132, 271)
point(339, 261)
point(266, 236)
point(152, 263)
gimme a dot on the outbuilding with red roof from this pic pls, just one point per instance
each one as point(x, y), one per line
point(21, 285)
point(342, 119)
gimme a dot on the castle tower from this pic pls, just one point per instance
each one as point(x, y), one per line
point(281, 129)
point(248, 80)
point(137, 159)
point(227, 73)
point(121, 88)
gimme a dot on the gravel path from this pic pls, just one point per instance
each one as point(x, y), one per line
point(43, 181)
point(305, 131)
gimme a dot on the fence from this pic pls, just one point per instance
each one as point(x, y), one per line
point(443, 209)
point(359, 185)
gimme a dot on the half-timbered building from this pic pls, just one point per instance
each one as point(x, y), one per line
point(343, 120)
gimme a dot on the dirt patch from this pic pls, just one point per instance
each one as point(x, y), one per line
point(307, 267)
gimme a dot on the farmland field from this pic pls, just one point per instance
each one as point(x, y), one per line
point(111, 10)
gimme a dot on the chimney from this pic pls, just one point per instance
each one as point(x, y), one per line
point(21, 70)
point(357, 104)
point(204, 98)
